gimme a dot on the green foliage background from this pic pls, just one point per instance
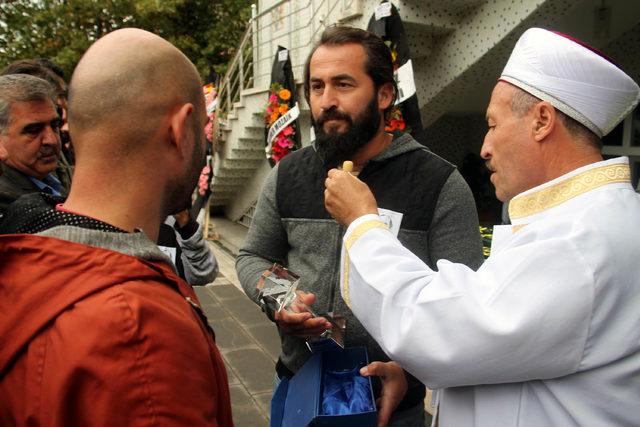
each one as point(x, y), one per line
point(207, 31)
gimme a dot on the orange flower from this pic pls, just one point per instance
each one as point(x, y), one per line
point(284, 108)
point(274, 117)
point(284, 94)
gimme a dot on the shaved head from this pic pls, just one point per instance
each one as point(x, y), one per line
point(136, 114)
point(124, 85)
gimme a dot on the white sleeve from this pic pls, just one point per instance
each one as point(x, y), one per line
point(524, 315)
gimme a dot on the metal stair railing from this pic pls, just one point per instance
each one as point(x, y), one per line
point(250, 55)
point(239, 75)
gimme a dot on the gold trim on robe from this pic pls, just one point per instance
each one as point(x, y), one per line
point(353, 237)
point(548, 197)
point(516, 228)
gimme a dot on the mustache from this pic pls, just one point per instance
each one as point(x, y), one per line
point(47, 151)
point(333, 114)
point(489, 166)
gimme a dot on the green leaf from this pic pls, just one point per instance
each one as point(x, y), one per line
point(206, 31)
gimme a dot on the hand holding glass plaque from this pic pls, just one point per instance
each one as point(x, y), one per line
point(280, 296)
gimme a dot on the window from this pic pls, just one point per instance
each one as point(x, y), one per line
point(624, 140)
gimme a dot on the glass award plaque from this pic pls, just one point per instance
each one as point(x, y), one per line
point(278, 290)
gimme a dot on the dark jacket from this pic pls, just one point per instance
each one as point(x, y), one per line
point(14, 184)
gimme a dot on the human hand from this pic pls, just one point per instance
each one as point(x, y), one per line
point(394, 387)
point(347, 198)
point(182, 217)
point(301, 323)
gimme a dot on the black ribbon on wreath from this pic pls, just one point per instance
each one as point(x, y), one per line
point(387, 24)
point(282, 134)
point(202, 195)
point(203, 189)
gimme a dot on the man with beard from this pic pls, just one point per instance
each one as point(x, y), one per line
point(96, 324)
point(349, 86)
point(29, 131)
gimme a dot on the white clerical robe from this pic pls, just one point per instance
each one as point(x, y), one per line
point(545, 333)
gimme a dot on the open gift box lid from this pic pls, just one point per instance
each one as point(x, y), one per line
point(298, 402)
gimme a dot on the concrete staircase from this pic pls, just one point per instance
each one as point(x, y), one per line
point(247, 217)
point(241, 149)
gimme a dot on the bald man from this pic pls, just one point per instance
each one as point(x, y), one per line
point(97, 329)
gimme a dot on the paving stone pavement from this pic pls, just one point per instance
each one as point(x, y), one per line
point(248, 341)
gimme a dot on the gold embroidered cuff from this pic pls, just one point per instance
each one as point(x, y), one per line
point(351, 240)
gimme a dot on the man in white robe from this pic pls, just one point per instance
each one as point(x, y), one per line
point(547, 331)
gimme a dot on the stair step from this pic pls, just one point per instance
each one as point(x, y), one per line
point(245, 221)
point(250, 132)
point(225, 193)
point(241, 163)
point(247, 217)
point(254, 128)
point(225, 188)
point(234, 173)
point(258, 116)
point(222, 180)
point(251, 143)
point(247, 154)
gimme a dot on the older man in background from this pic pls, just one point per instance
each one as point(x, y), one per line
point(49, 71)
point(29, 132)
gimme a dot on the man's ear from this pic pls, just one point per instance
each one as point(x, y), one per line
point(545, 119)
point(385, 96)
point(179, 125)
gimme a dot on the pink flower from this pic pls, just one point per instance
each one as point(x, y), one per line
point(203, 181)
point(288, 131)
point(283, 142)
point(273, 98)
point(208, 131)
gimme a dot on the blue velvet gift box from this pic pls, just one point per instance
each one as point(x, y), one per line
point(327, 391)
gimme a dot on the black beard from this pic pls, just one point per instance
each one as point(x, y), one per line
point(334, 148)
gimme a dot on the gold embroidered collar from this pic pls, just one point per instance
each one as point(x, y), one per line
point(548, 197)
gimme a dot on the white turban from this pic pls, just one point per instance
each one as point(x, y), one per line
point(573, 78)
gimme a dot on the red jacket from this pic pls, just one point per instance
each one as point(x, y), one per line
point(91, 336)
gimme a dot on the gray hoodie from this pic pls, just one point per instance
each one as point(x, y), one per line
point(310, 245)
